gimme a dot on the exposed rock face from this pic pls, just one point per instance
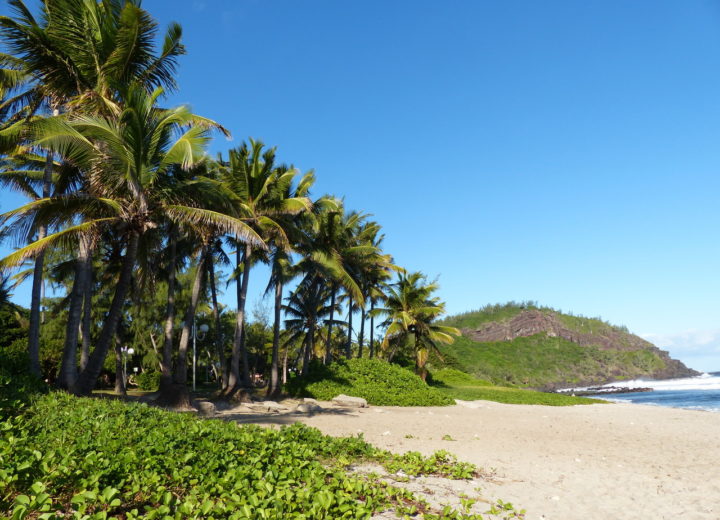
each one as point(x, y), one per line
point(533, 321)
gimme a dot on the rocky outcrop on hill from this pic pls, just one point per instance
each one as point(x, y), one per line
point(584, 332)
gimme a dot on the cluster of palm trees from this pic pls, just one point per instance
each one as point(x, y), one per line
point(123, 194)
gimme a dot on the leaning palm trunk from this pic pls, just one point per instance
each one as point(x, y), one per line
point(274, 388)
point(68, 369)
point(348, 345)
point(166, 362)
point(120, 375)
point(328, 342)
point(36, 296)
point(361, 337)
point(239, 352)
point(220, 351)
point(181, 372)
point(88, 377)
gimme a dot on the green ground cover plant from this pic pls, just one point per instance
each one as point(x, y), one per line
point(379, 382)
point(459, 385)
point(68, 457)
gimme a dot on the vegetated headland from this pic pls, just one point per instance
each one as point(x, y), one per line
point(528, 345)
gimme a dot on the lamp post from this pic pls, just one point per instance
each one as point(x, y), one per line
point(126, 351)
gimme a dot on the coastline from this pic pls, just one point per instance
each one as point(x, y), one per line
point(621, 461)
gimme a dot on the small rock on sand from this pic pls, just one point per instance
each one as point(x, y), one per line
point(353, 402)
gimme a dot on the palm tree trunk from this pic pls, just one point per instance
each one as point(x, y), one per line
point(68, 368)
point(166, 375)
point(361, 338)
point(284, 367)
point(372, 328)
point(36, 295)
point(220, 351)
point(308, 349)
point(88, 377)
point(274, 387)
point(239, 353)
point(120, 375)
point(328, 342)
point(348, 346)
point(86, 325)
point(187, 330)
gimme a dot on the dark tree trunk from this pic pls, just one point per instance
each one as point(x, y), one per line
point(372, 328)
point(86, 325)
point(68, 369)
point(361, 337)
point(348, 346)
point(328, 342)
point(274, 387)
point(239, 353)
point(219, 349)
point(36, 295)
point(166, 375)
point(309, 343)
point(120, 375)
point(88, 377)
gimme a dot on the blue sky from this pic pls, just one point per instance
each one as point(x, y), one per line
point(563, 152)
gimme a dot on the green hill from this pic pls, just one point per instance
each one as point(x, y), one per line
point(528, 345)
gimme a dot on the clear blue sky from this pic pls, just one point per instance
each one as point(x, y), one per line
point(561, 151)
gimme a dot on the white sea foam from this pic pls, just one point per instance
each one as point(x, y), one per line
point(701, 382)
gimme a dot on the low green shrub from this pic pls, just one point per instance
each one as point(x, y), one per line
point(379, 382)
point(148, 380)
point(17, 385)
point(67, 457)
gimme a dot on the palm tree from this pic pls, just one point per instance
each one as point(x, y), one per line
point(411, 310)
point(306, 308)
point(258, 186)
point(282, 270)
point(75, 57)
point(127, 159)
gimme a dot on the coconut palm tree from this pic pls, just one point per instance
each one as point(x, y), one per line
point(258, 186)
point(75, 56)
point(411, 310)
point(307, 307)
point(128, 159)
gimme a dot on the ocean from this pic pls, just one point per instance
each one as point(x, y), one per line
point(695, 393)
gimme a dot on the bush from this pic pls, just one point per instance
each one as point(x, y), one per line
point(95, 458)
point(379, 382)
point(453, 377)
point(17, 385)
point(148, 380)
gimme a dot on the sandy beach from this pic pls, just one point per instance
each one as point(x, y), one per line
point(610, 461)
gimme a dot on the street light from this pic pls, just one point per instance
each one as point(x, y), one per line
point(126, 351)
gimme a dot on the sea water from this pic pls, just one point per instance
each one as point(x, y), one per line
point(696, 393)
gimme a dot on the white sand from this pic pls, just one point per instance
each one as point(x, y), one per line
point(610, 461)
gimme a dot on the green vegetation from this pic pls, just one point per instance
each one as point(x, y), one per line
point(500, 312)
point(460, 385)
point(379, 382)
point(95, 458)
point(540, 360)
